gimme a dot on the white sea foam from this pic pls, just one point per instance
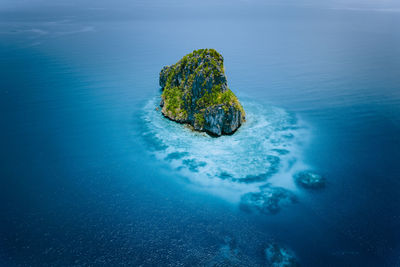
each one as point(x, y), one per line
point(266, 149)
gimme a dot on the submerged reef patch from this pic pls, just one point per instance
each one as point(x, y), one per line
point(239, 167)
point(278, 256)
point(310, 179)
point(269, 200)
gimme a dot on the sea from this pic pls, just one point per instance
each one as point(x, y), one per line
point(91, 173)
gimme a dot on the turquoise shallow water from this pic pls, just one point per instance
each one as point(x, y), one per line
point(267, 146)
point(92, 174)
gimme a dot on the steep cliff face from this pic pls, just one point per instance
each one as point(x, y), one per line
point(195, 91)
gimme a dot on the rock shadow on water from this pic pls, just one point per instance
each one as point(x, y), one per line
point(269, 200)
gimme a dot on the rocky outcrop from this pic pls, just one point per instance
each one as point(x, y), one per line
point(195, 91)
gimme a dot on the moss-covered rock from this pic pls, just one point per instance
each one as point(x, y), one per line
point(195, 91)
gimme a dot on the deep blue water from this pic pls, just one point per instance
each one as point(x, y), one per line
point(84, 179)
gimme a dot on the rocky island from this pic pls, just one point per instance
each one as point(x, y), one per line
point(195, 92)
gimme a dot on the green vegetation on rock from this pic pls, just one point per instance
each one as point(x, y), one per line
point(195, 91)
point(199, 119)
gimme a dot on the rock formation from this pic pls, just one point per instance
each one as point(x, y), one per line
point(195, 91)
